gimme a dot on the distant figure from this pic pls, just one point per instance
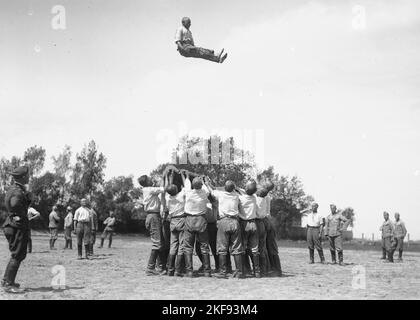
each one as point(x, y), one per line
point(53, 226)
point(185, 42)
point(93, 229)
point(32, 215)
point(315, 224)
point(68, 224)
point(399, 234)
point(109, 224)
point(82, 222)
point(333, 231)
point(387, 229)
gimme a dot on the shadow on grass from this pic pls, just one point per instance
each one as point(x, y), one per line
point(51, 289)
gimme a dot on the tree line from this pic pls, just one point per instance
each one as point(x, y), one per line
point(66, 183)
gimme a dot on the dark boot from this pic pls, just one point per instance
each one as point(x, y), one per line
point(340, 258)
point(229, 269)
point(239, 272)
point(321, 256)
point(333, 259)
point(222, 267)
point(206, 263)
point(311, 256)
point(216, 262)
point(66, 244)
point(246, 264)
point(391, 255)
point(79, 251)
point(162, 265)
point(10, 275)
point(30, 246)
point(189, 264)
point(178, 265)
point(400, 252)
point(109, 242)
point(87, 247)
point(277, 265)
point(102, 243)
point(150, 270)
point(383, 254)
point(256, 263)
point(71, 244)
point(51, 244)
point(171, 265)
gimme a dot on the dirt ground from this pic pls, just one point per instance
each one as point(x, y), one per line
point(118, 273)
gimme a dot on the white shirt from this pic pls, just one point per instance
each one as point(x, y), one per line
point(184, 35)
point(176, 204)
point(228, 203)
point(151, 198)
point(82, 215)
point(314, 219)
point(68, 220)
point(247, 207)
point(263, 207)
point(195, 200)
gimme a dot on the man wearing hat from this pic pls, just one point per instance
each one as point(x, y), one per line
point(16, 226)
point(68, 224)
point(387, 231)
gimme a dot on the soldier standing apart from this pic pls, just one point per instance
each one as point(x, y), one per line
point(94, 228)
point(32, 215)
point(152, 205)
point(16, 227)
point(333, 231)
point(54, 220)
point(314, 225)
point(68, 224)
point(387, 229)
point(109, 224)
point(82, 222)
point(399, 234)
point(229, 235)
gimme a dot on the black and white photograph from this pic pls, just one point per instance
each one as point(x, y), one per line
point(229, 151)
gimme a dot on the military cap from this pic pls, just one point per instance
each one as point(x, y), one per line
point(20, 171)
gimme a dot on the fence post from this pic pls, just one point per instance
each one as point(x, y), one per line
point(373, 238)
point(363, 236)
point(408, 241)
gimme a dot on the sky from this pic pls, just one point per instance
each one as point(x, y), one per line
point(327, 89)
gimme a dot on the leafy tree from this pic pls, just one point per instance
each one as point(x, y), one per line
point(34, 158)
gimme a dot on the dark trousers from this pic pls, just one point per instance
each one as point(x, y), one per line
point(262, 245)
point(336, 243)
point(191, 51)
point(17, 239)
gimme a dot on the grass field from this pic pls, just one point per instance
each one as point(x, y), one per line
point(118, 273)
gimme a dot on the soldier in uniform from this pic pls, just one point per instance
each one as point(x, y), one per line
point(93, 229)
point(68, 224)
point(333, 231)
point(399, 234)
point(32, 215)
point(387, 229)
point(16, 226)
point(314, 226)
point(54, 219)
point(109, 224)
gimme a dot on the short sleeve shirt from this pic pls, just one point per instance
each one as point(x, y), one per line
point(247, 207)
point(151, 199)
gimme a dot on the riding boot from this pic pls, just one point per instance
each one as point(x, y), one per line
point(311, 256)
point(171, 264)
point(246, 264)
point(51, 244)
point(30, 246)
point(87, 251)
point(162, 266)
point(109, 242)
point(333, 259)
point(340, 258)
point(239, 272)
point(178, 265)
point(229, 269)
point(102, 243)
point(256, 263)
point(70, 244)
point(206, 263)
point(79, 251)
point(222, 267)
point(400, 252)
point(150, 270)
point(383, 254)
point(391, 255)
point(321, 255)
point(189, 264)
point(277, 265)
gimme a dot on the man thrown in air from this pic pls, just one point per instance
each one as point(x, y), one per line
point(185, 42)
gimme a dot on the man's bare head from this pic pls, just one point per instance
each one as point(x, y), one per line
point(197, 183)
point(83, 202)
point(386, 215)
point(397, 216)
point(172, 190)
point(186, 22)
point(251, 187)
point(229, 186)
point(269, 185)
point(314, 207)
point(333, 208)
point(262, 192)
